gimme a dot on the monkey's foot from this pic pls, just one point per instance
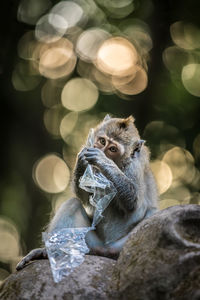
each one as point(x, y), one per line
point(105, 252)
point(39, 253)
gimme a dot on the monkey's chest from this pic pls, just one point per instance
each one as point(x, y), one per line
point(113, 226)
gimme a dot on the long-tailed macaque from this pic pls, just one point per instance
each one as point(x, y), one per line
point(121, 156)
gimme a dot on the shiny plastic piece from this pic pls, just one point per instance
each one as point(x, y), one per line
point(66, 249)
point(103, 191)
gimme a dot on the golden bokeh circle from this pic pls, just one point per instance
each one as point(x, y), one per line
point(79, 94)
point(51, 174)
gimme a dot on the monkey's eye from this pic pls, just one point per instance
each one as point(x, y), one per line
point(113, 149)
point(102, 141)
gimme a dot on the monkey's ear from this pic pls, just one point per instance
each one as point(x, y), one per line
point(125, 122)
point(137, 147)
point(130, 119)
point(140, 144)
point(106, 118)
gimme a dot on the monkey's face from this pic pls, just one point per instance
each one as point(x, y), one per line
point(116, 138)
point(110, 147)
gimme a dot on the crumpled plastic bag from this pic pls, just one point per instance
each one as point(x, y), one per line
point(103, 191)
point(66, 248)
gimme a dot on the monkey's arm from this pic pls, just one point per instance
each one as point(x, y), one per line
point(127, 189)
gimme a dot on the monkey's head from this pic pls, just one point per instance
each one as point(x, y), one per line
point(117, 138)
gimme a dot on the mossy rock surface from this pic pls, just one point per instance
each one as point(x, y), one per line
point(35, 281)
point(161, 260)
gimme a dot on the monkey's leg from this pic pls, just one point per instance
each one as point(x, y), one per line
point(111, 250)
point(38, 253)
point(150, 212)
point(71, 214)
point(118, 245)
point(105, 252)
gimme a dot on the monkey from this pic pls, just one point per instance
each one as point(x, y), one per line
point(123, 158)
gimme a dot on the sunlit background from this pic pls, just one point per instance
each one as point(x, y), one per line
point(64, 65)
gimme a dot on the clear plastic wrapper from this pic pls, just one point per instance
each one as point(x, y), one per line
point(66, 248)
point(103, 191)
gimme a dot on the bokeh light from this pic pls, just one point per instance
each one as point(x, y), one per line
point(167, 203)
point(185, 35)
point(167, 135)
point(69, 155)
point(178, 192)
point(85, 69)
point(59, 23)
point(89, 42)
point(137, 32)
point(137, 84)
point(30, 11)
point(195, 198)
point(9, 237)
point(59, 199)
point(102, 81)
point(75, 140)
point(117, 9)
point(163, 175)
point(176, 58)
point(51, 174)
point(191, 79)
point(46, 32)
point(71, 13)
point(52, 119)
point(79, 94)
point(78, 136)
point(50, 94)
point(181, 163)
point(54, 60)
point(57, 62)
point(117, 57)
point(67, 124)
point(26, 45)
point(183, 60)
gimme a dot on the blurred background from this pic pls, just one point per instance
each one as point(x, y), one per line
point(63, 66)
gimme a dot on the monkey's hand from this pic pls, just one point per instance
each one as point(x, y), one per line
point(127, 189)
point(38, 253)
point(81, 158)
point(79, 170)
point(96, 157)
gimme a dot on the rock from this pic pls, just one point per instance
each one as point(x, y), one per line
point(35, 282)
point(160, 261)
